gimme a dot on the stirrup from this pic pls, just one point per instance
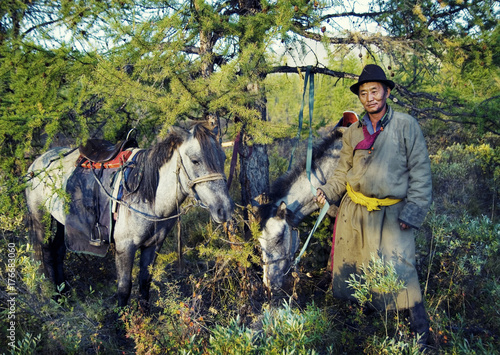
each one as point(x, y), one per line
point(96, 242)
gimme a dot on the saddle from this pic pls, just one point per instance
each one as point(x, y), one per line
point(101, 151)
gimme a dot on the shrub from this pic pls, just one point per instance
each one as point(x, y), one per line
point(283, 331)
point(467, 177)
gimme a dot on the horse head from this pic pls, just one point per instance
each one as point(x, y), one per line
point(200, 165)
point(279, 241)
point(198, 159)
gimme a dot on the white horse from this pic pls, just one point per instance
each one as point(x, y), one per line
point(292, 199)
point(185, 163)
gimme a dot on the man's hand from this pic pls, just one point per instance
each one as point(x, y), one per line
point(403, 226)
point(320, 197)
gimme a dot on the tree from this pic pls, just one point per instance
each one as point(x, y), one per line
point(99, 68)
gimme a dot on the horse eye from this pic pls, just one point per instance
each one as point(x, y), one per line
point(195, 162)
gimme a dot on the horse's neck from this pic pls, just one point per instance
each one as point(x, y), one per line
point(169, 194)
point(300, 197)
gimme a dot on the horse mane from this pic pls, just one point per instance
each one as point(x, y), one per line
point(162, 152)
point(281, 186)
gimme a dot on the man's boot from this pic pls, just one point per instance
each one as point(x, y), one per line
point(419, 324)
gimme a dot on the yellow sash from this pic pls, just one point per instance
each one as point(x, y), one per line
point(371, 203)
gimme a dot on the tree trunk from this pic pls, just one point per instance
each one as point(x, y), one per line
point(254, 172)
point(254, 162)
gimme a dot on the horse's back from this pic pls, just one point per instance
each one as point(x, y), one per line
point(48, 177)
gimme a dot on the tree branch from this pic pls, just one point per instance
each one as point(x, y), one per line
point(429, 112)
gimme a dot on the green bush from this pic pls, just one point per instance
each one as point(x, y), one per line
point(283, 331)
point(467, 177)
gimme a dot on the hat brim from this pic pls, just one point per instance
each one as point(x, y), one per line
point(355, 87)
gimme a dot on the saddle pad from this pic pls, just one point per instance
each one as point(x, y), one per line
point(89, 214)
point(118, 161)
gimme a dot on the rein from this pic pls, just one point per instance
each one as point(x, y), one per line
point(190, 184)
point(289, 258)
point(308, 162)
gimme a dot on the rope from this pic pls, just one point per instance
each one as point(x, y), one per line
point(144, 215)
point(233, 159)
point(325, 208)
point(301, 115)
point(206, 178)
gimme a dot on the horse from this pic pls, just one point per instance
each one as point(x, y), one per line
point(291, 199)
point(188, 162)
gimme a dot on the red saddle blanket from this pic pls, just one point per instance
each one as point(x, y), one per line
point(118, 161)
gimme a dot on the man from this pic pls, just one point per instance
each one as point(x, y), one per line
point(385, 169)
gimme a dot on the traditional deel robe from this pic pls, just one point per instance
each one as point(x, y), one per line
point(396, 166)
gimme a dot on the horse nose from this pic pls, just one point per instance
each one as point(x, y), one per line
point(225, 212)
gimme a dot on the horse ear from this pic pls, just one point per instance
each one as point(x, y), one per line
point(255, 206)
point(213, 124)
point(178, 131)
point(262, 199)
point(281, 212)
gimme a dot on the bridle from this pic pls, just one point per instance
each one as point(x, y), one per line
point(288, 258)
point(192, 182)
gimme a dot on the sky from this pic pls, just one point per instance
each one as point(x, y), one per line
point(316, 52)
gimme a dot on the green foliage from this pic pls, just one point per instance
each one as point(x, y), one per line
point(286, 329)
point(380, 276)
point(233, 339)
point(122, 66)
point(467, 177)
point(392, 346)
point(174, 330)
point(466, 249)
point(283, 331)
point(27, 345)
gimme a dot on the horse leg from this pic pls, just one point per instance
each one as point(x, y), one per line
point(59, 252)
point(53, 253)
point(124, 260)
point(43, 249)
point(148, 257)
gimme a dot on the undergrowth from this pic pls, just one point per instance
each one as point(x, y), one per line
point(214, 301)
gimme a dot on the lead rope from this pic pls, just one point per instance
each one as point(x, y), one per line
point(301, 113)
point(308, 165)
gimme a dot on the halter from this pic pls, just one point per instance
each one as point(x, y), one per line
point(285, 258)
point(192, 183)
point(274, 261)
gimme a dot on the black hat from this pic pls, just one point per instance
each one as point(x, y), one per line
point(372, 72)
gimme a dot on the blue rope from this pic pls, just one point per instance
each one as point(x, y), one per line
point(309, 159)
point(301, 115)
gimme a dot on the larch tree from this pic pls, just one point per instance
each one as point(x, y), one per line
point(73, 69)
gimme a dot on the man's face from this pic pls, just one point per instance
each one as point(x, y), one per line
point(373, 96)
